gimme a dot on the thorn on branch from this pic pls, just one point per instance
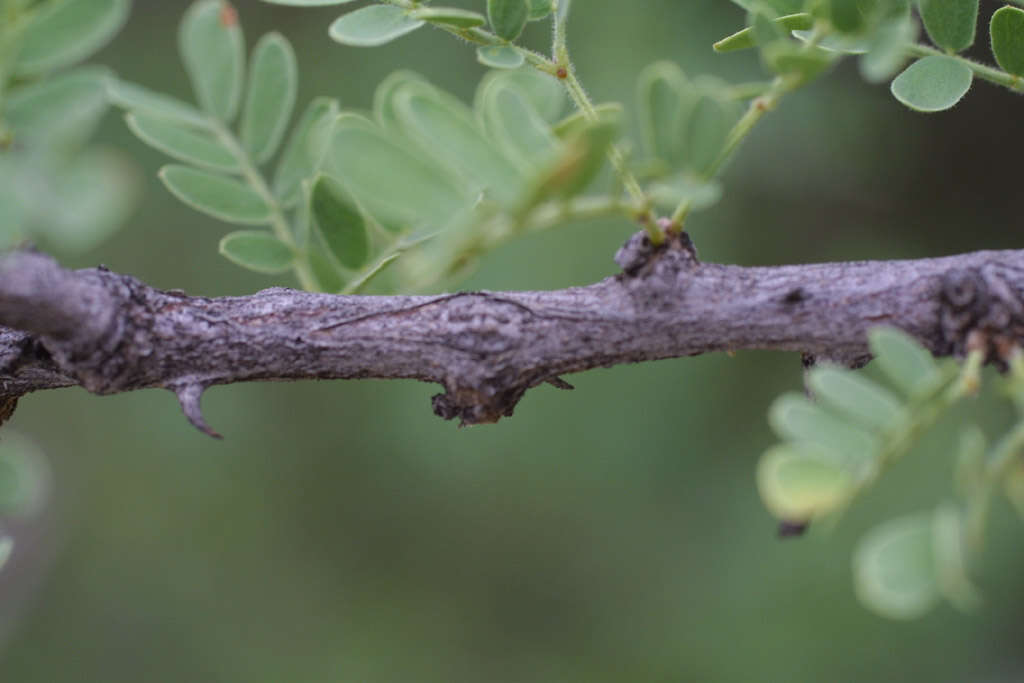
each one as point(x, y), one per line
point(189, 396)
point(560, 383)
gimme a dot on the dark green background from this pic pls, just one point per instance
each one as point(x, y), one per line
point(341, 532)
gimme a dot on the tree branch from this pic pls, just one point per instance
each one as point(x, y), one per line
point(111, 333)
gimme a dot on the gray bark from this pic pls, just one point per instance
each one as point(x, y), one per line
point(111, 333)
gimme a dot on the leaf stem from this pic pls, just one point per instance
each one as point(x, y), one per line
point(982, 71)
point(278, 222)
point(567, 74)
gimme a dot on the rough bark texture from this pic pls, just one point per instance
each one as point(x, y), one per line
point(111, 333)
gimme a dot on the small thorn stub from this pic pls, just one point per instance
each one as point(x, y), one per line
point(189, 396)
point(560, 383)
point(792, 529)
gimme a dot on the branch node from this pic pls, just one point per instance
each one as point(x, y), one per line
point(189, 396)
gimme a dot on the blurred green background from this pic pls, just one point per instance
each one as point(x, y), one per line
point(341, 532)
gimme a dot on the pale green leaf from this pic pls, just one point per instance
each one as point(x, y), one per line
point(950, 542)
point(744, 39)
point(500, 57)
point(59, 112)
point(67, 31)
point(308, 3)
point(795, 418)
point(544, 93)
point(517, 128)
point(389, 178)
point(136, 98)
point(797, 485)
point(184, 144)
point(340, 223)
point(257, 250)
point(447, 132)
point(894, 568)
point(218, 196)
point(908, 364)
point(304, 151)
point(273, 83)
point(539, 9)
point(664, 102)
point(950, 23)
point(1007, 32)
point(854, 395)
point(25, 477)
point(449, 16)
point(213, 50)
point(508, 17)
point(933, 83)
point(373, 25)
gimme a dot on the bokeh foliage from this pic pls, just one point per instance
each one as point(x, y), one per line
point(343, 533)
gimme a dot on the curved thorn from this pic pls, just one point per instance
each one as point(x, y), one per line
point(188, 396)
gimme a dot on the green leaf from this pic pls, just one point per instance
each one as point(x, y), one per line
point(78, 203)
point(220, 197)
point(698, 194)
point(539, 9)
point(340, 224)
point(257, 250)
point(577, 122)
point(135, 98)
point(789, 59)
point(779, 6)
point(795, 418)
point(213, 51)
point(303, 153)
point(384, 96)
point(273, 83)
point(517, 128)
point(6, 549)
point(65, 32)
point(24, 476)
point(327, 275)
point(950, 23)
point(544, 93)
point(744, 39)
point(798, 485)
point(389, 178)
point(894, 568)
point(61, 112)
point(932, 84)
point(447, 132)
point(664, 101)
point(577, 165)
point(500, 57)
point(508, 17)
point(373, 25)
point(908, 364)
point(856, 396)
point(950, 545)
point(184, 144)
point(1007, 32)
point(886, 49)
point(449, 16)
point(707, 129)
point(307, 3)
point(846, 16)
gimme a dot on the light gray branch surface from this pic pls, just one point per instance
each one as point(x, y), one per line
point(112, 333)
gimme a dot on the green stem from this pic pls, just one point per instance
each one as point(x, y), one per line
point(567, 74)
point(278, 221)
point(982, 71)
